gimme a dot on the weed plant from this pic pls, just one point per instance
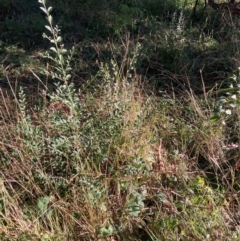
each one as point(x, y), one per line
point(113, 161)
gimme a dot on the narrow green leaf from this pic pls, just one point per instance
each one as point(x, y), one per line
point(50, 19)
point(215, 118)
point(68, 69)
point(49, 9)
point(44, 10)
point(48, 28)
point(61, 58)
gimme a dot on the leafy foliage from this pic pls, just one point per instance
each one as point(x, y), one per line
point(112, 157)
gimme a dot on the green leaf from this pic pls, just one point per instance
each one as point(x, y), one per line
point(50, 19)
point(68, 77)
point(104, 231)
point(42, 204)
point(61, 58)
point(63, 51)
point(171, 223)
point(68, 69)
point(59, 39)
point(215, 118)
point(44, 10)
point(48, 28)
point(53, 49)
point(133, 208)
point(49, 9)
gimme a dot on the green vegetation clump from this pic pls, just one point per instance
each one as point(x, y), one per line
point(121, 123)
